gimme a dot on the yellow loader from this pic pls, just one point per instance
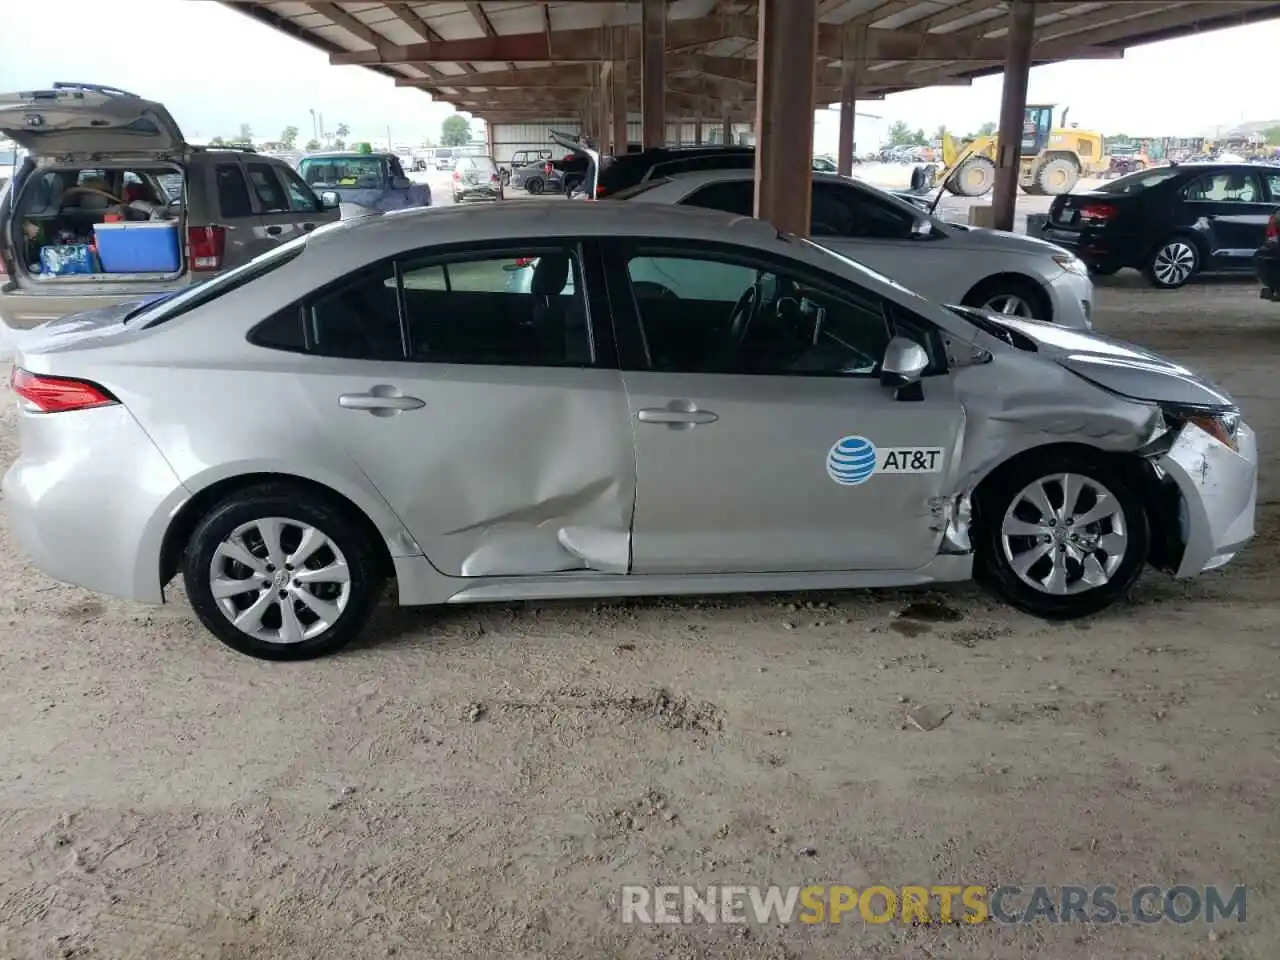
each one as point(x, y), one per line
point(1052, 158)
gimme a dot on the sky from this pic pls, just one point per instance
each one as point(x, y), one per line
point(272, 81)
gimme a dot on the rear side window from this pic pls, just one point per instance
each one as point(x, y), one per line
point(731, 196)
point(233, 191)
point(267, 186)
point(358, 318)
point(202, 293)
point(1226, 186)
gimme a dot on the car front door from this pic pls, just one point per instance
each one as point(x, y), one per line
point(764, 439)
point(1230, 210)
point(279, 223)
point(489, 415)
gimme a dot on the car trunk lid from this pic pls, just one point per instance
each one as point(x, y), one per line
point(74, 120)
point(1076, 211)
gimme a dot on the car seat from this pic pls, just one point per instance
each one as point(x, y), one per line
point(561, 325)
point(1237, 186)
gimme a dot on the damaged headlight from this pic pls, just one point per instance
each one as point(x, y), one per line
point(1221, 423)
point(1071, 263)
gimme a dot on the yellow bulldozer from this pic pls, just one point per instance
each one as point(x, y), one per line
point(1053, 158)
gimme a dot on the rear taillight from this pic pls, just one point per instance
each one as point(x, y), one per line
point(523, 261)
point(548, 168)
point(43, 394)
point(1273, 229)
point(600, 192)
point(205, 247)
point(457, 175)
point(1097, 211)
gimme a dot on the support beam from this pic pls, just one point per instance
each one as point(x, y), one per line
point(652, 69)
point(726, 128)
point(784, 113)
point(847, 98)
point(618, 95)
point(1013, 107)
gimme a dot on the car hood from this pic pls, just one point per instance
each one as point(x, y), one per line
point(1001, 240)
point(1120, 367)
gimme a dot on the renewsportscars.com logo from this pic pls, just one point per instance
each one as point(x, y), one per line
point(937, 904)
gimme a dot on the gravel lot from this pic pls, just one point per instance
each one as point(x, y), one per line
point(478, 782)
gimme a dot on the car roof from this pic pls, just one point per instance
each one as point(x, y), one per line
point(747, 173)
point(395, 230)
point(346, 153)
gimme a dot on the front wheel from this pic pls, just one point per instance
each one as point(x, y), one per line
point(280, 573)
point(1011, 296)
point(1173, 263)
point(1061, 534)
point(534, 186)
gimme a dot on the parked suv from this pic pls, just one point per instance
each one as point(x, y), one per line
point(364, 181)
point(111, 204)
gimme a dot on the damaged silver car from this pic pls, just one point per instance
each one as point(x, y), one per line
point(539, 401)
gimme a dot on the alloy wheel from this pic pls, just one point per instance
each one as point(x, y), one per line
point(1064, 534)
point(280, 580)
point(1174, 263)
point(1010, 305)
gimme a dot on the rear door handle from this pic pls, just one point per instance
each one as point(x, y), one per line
point(275, 231)
point(677, 414)
point(380, 402)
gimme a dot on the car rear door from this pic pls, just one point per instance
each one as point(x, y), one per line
point(489, 413)
point(780, 451)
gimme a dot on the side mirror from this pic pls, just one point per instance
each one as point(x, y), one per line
point(922, 229)
point(905, 362)
point(401, 183)
point(330, 200)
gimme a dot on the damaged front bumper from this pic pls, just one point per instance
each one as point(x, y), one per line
point(1219, 491)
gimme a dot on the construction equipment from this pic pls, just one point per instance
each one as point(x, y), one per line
point(1052, 158)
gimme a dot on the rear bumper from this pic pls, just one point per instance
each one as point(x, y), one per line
point(1097, 248)
point(89, 501)
point(1219, 489)
point(479, 193)
point(1266, 266)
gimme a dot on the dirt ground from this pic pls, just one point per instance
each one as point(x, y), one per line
point(479, 782)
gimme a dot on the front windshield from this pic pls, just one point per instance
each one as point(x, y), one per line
point(1135, 182)
point(363, 173)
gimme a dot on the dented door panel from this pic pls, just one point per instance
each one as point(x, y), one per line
point(502, 471)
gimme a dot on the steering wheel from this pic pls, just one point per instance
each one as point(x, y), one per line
point(744, 313)
point(104, 193)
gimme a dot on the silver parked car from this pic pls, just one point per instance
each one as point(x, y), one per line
point(380, 399)
point(950, 262)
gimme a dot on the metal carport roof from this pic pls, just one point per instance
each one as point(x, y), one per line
point(514, 59)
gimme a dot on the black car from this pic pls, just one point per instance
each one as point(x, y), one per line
point(1170, 222)
point(619, 173)
point(1266, 260)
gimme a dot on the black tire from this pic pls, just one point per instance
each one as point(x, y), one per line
point(996, 288)
point(303, 507)
point(534, 185)
point(974, 178)
point(1179, 250)
point(995, 570)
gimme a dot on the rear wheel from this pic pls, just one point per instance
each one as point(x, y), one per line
point(534, 185)
point(1173, 263)
point(279, 573)
point(1057, 176)
point(974, 178)
point(1061, 534)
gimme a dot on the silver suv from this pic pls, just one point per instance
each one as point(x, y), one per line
point(111, 204)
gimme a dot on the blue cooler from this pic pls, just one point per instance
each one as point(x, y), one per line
point(149, 247)
point(65, 259)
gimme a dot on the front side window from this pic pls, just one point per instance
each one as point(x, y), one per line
point(301, 197)
point(522, 308)
point(1227, 186)
point(266, 185)
point(719, 314)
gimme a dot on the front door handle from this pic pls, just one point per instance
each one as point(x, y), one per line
point(275, 230)
point(380, 401)
point(678, 414)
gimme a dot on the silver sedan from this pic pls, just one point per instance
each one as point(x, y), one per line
point(532, 401)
